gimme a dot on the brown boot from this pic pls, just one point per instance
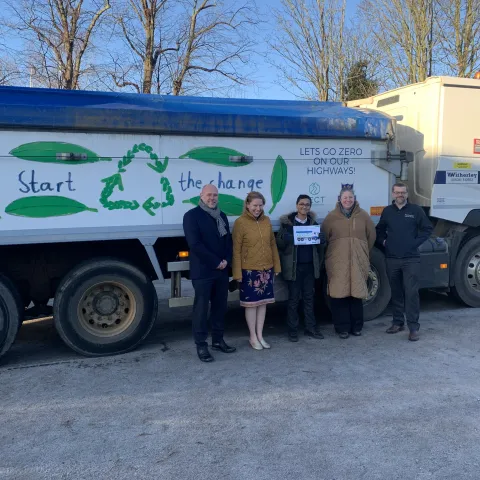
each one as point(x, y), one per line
point(414, 336)
point(395, 329)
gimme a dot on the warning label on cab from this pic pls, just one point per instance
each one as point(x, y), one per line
point(476, 146)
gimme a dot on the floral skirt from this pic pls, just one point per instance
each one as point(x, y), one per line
point(256, 288)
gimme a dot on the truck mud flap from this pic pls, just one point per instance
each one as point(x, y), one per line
point(435, 270)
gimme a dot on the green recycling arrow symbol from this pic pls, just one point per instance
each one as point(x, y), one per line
point(115, 181)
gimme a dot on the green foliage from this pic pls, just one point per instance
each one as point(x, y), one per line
point(357, 84)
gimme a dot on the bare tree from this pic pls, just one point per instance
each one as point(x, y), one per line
point(9, 72)
point(140, 23)
point(215, 41)
point(185, 46)
point(404, 34)
point(57, 35)
point(458, 24)
point(308, 47)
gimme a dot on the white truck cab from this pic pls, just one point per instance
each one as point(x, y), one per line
point(437, 121)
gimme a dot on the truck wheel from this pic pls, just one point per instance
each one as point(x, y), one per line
point(378, 287)
point(104, 307)
point(11, 312)
point(467, 273)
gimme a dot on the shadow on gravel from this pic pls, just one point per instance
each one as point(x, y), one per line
point(38, 342)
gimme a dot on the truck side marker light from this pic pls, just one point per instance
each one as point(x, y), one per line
point(376, 211)
point(443, 266)
point(183, 254)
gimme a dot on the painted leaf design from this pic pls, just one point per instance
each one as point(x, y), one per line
point(228, 204)
point(46, 206)
point(278, 181)
point(51, 152)
point(215, 156)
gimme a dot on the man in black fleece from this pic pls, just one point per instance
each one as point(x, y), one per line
point(402, 228)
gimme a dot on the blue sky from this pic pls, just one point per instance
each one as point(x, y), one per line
point(267, 81)
point(267, 85)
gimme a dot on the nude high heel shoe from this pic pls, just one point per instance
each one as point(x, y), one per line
point(264, 343)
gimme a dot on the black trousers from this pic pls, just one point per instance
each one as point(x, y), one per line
point(347, 314)
point(302, 287)
point(214, 291)
point(403, 276)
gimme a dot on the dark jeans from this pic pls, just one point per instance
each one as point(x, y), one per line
point(214, 291)
point(403, 275)
point(347, 314)
point(302, 286)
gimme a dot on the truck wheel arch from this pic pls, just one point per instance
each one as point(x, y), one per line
point(473, 218)
point(11, 313)
point(376, 305)
point(104, 306)
point(466, 275)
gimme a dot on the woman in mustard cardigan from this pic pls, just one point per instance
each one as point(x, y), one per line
point(255, 261)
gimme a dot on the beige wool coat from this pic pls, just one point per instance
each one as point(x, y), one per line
point(347, 259)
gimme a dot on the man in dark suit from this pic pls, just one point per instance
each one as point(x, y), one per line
point(208, 236)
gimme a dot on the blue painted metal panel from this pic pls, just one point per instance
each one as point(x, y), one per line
point(122, 112)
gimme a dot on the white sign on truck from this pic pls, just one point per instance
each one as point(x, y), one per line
point(140, 180)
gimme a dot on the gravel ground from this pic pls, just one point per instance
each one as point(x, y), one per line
point(373, 407)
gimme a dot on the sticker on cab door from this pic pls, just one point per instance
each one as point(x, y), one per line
point(462, 165)
point(476, 146)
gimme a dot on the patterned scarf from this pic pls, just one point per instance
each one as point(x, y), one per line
point(215, 213)
point(347, 213)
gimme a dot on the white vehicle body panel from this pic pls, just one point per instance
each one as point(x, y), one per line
point(317, 167)
point(438, 120)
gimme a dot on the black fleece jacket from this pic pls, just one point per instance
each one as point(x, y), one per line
point(403, 230)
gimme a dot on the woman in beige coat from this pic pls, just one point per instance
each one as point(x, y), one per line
point(350, 235)
point(255, 261)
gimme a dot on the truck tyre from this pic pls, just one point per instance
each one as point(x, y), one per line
point(378, 287)
point(11, 311)
point(466, 274)
point(104, 306)
point(379, 292)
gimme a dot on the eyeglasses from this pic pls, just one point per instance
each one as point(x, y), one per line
point(304, 205)
point(400, 193)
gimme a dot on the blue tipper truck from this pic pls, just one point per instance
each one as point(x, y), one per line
point(94, 186)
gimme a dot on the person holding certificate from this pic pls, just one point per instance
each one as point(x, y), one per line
point(350, 235)
point(301, 251)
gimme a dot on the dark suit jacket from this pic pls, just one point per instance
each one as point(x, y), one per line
point(207, 247)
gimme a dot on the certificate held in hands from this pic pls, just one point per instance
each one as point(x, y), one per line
point(308, 235)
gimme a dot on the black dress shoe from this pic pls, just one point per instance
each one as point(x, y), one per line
point(293, 336)
point(343, 335)
point(204, 354)
point(315, 334)
point(357, 333)
point(223, 347)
